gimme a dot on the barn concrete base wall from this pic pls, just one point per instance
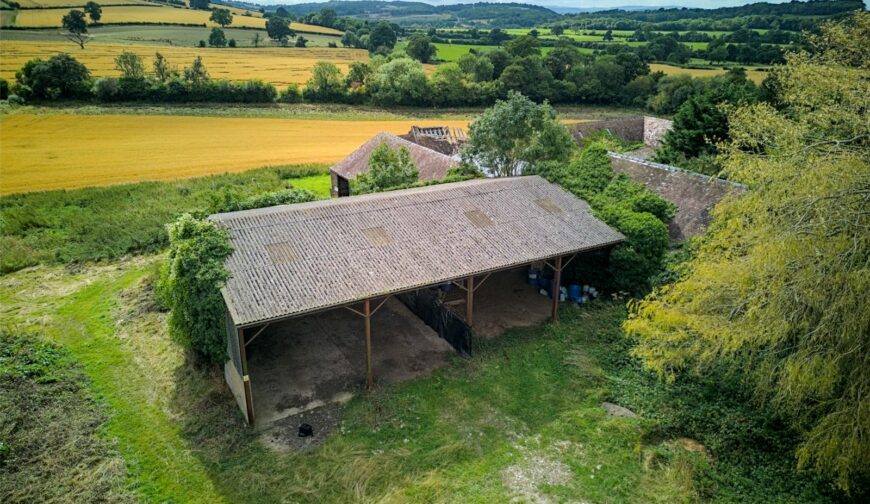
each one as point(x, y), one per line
point(694, 194)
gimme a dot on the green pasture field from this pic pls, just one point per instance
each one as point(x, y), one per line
point(161, 35)
point(452, 52)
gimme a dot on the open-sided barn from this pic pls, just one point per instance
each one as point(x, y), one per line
point(354, 253)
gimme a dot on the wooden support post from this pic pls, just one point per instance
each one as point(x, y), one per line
point(367, 313)
point(246, 378)
point(557, 286)
point(469, 301)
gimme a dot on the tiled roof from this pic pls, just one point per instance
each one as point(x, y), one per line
point(294, 259)
point(431, 164)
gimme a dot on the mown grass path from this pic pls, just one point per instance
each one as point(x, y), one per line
point(162, 467)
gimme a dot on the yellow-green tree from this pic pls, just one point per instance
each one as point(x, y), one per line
point(780, 285)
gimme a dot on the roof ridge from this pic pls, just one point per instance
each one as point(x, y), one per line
point(350, 200)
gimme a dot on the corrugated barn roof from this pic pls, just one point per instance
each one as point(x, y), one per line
point(431, 164)
point(294, 259)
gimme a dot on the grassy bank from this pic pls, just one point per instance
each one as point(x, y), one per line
point(101, 223)
point(522, 419)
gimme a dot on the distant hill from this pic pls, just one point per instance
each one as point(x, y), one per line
point(793, 8)
point(503, 15)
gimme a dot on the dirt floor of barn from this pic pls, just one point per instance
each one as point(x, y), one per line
point(502, 301)
point(312, 361)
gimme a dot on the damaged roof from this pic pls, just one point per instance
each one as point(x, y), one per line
point(290, 260)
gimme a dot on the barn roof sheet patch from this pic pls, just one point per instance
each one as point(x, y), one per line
point(328, 256)
point(431, 164)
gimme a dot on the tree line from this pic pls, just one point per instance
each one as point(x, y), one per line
point(564, 75)
point(793, 16)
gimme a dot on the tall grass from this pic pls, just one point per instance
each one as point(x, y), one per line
point(51, 449)
point(95, 224)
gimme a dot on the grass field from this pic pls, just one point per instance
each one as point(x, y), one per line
point(278, 65)
point(46, 18)
point(452, 52)
point(100, 223)
point(41, 152)
point(754, 75)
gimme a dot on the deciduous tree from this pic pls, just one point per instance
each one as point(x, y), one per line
point(217, 38)
point(388, 168)
point(222, 17)
point(278, 28)
point(516, 134)
point(76, 27)
point(130, 65)
point(420, 48)
point(382, 38)
point(94, 11)
point(779, 288)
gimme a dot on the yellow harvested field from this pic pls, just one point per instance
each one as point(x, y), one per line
point(47, 18)
point(278, 65)
point(754, 75)
point(56, 151)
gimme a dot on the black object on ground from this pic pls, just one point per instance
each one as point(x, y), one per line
point(306, 430)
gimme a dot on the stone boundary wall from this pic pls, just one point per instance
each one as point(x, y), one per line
point(694, 194)
point(630, 129)
point(647, 129)
point(654, 130)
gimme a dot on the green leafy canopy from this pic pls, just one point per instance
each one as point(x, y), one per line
point(779, 288)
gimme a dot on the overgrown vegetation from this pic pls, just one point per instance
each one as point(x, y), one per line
point(108, 222)
point(51, 445)
point(778, 288)
point(388, 168)
point(191, 284)
point(629, 207)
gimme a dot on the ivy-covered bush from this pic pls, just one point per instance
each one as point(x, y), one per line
point(191, 285)
point(191, 281)
point(625, 205)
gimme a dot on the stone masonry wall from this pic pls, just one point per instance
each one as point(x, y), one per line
point(694, 194)
point(654, 130)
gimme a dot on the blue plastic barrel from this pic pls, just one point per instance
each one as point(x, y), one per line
point(574, 292)
point(534, 274)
